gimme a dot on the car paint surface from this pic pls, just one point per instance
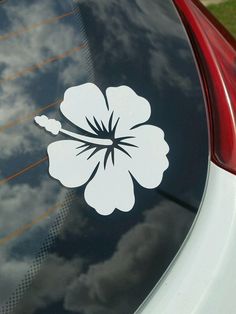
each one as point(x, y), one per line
point(57, 254)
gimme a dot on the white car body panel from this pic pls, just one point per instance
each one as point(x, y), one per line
point(202, 278)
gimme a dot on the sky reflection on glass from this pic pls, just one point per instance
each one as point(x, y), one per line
point(97, 265)
point(43, 51)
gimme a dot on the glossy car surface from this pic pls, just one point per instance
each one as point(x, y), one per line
point(208, 285)
point(57, 254)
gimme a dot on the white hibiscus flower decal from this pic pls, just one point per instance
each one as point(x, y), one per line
point(112, 148)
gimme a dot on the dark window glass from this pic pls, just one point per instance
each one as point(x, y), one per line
point(57, 255)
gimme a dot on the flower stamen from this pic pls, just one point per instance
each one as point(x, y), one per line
point(53, 126)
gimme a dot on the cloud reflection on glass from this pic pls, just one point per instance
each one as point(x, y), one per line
point(42, 52)
point(98, 265)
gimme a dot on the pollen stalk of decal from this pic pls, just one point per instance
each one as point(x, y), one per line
point(53, 126)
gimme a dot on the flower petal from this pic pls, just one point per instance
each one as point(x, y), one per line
point(69, 165)
point(149, 159)
point(128, 107)
point(111, 188)
point(83, 103)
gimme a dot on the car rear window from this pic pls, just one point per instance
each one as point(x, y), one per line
point(57, 254)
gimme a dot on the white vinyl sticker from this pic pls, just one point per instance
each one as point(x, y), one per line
point(112, 147)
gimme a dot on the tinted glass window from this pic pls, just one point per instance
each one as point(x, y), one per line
point(57, 254)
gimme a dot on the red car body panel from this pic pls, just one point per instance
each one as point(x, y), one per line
point(215, 51)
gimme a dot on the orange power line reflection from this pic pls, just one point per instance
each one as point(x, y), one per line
point(31, 69)
point(29, 116)
point(35, 26)
point(18, 232)
point(42, 64)
point(22, 171)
